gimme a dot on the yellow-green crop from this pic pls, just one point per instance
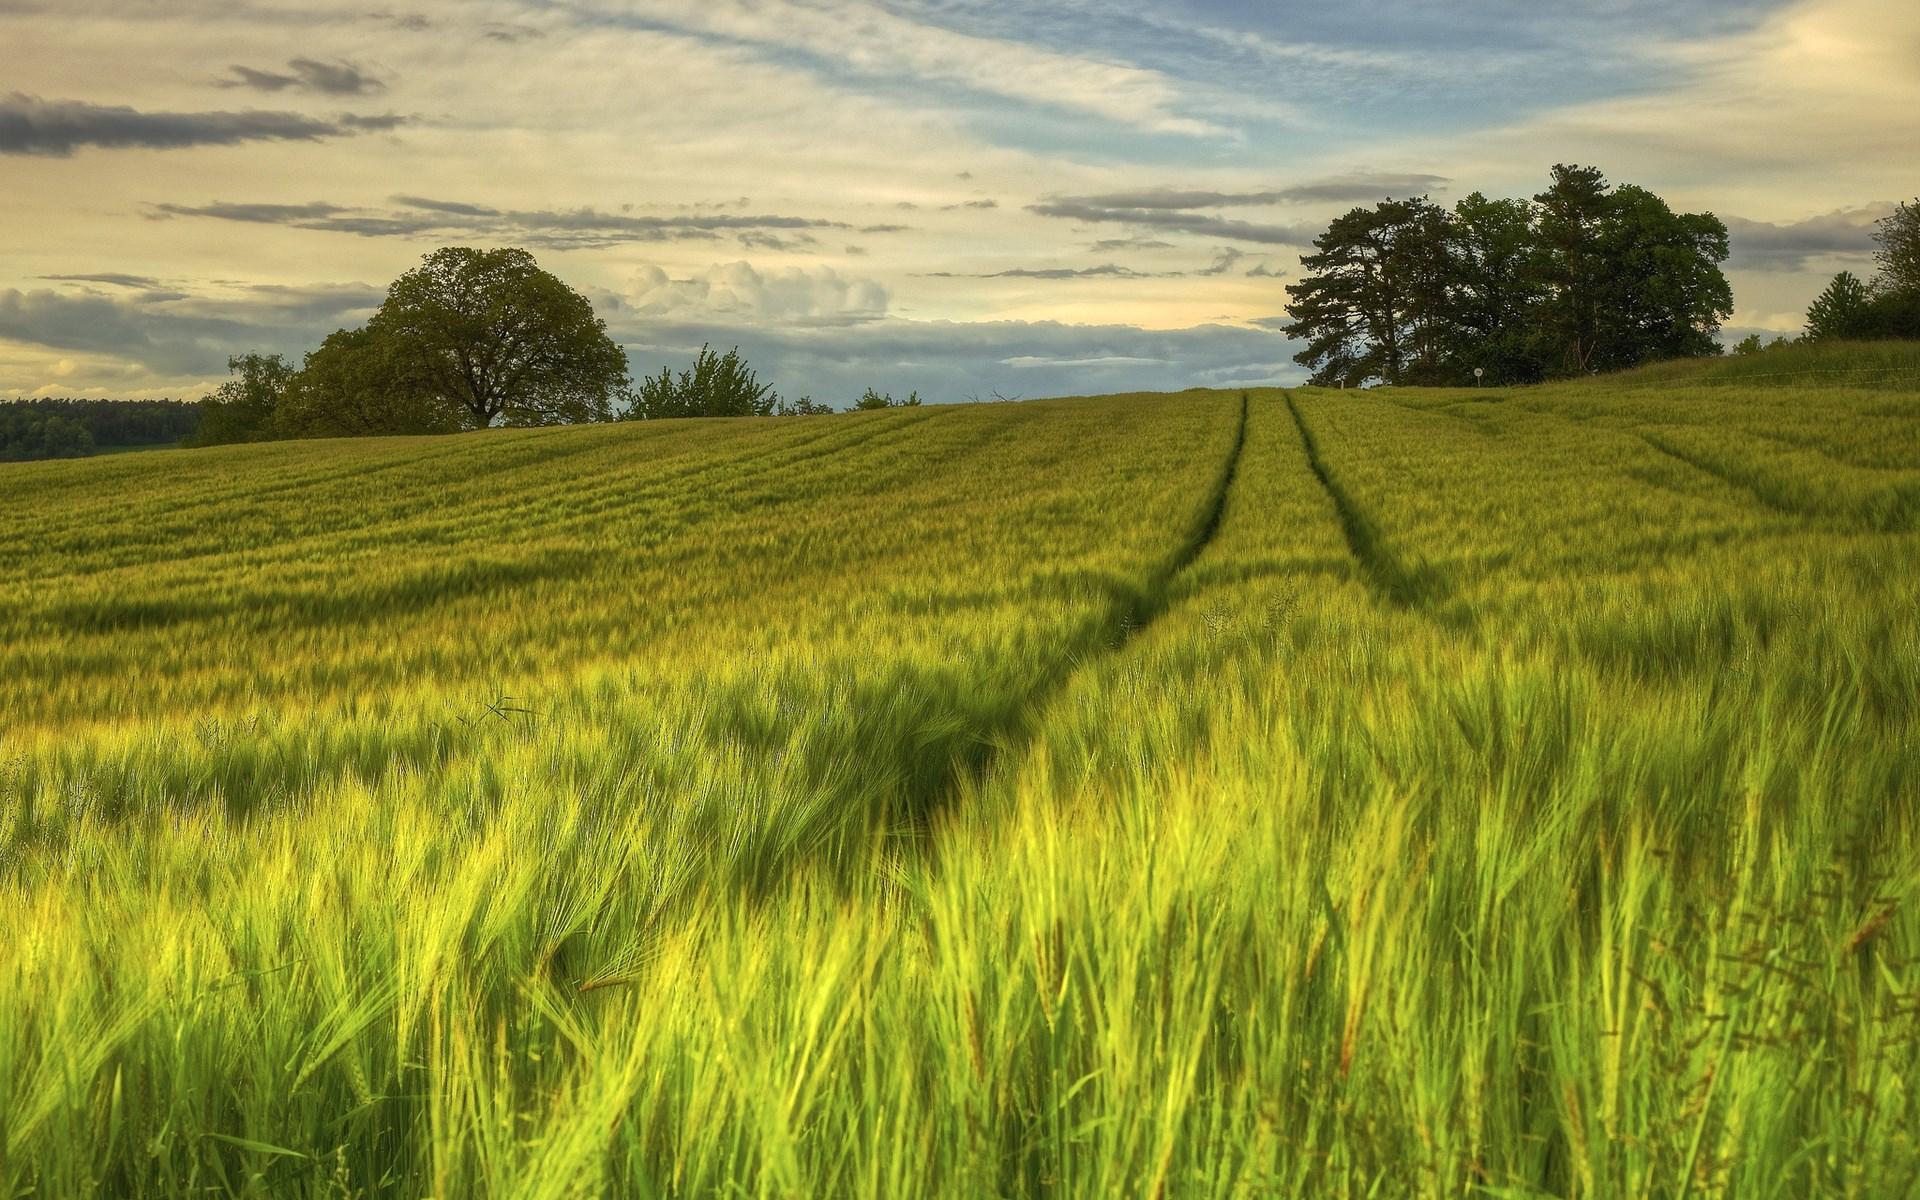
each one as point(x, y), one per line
point(1295, 794)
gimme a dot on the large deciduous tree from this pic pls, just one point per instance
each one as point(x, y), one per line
point(1662, 294)
point(500, 341)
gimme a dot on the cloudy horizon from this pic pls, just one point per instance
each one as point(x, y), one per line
point(951, 196)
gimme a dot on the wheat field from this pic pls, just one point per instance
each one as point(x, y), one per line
point(1214, 794)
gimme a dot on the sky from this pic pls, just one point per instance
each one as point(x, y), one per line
point(962, 198)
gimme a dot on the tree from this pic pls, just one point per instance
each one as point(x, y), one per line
point(242, 409)
point(874, 400)
point(357, 384)
point(1623, 278)
point(1662, 294)
point(1899, 256)
point(1374, 295)
point(1568, 263)
point(1841, 311)
point(497, 339)
point(1492, 292)
point(718, 385)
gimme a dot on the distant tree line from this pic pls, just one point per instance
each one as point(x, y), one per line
point(67, 428)
point(1885, 306)
point(472, 339)
point(1586, 276)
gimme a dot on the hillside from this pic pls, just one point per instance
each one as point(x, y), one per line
point(1207, 794)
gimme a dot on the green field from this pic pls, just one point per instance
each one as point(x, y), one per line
point(1302, 793)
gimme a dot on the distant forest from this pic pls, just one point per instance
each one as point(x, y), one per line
point(50, 428)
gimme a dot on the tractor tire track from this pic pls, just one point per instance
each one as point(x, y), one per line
point(966, 761)
point(1386, 575)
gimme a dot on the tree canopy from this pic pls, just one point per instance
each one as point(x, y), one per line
point(498, 340)
point(1585, 276)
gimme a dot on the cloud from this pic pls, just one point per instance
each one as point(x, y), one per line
point(948, 361)
point(1363, 186)
point(559, 229)
point(453, 207)
point(184, 335)
point(860, 37)
point(1105, 270)
point(137, 282)
point(56, 128)
point(1224, 263)
point(1130, 243)
point(1185, 210)
point(308, 75)
point(1793, 245)
point(1359, 186)
point(1171, 220)
point(739, 290)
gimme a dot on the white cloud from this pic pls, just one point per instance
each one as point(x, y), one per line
point(866, 38)
point(742, 291)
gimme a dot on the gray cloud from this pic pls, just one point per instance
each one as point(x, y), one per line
point(411, 22)
point(446, 206)
point(570, 229)
point(137, 282)
point(1224, 263)
point(1791, 246)
point(1172, 220)
point(174, 335)
point(951, 361)
point(1105, 270)
point(1131, 243)
point(1364, 186)
point(1357, 187)
point(501, 31)
point(308, 75)
point(56, 128)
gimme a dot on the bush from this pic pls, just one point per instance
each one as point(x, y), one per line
point(874, 400)
point(719, 385)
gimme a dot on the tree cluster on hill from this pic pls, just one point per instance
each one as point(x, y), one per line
point(1886, 306)
point(68, 428)
point(1585, 277)
point(468, 339)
